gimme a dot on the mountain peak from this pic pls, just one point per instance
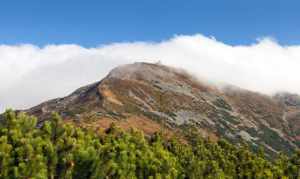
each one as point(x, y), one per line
point(153, 96)
point(142, 71)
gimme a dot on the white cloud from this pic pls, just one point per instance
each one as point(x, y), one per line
point(30, 74)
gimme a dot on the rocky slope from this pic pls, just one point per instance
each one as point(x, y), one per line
point(154, 97)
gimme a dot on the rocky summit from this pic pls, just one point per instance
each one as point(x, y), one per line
point(154, 97)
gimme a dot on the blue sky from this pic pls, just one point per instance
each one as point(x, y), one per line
point(236, 57)
point(93, 22)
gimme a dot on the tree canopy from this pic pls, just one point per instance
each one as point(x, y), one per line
point(59, 150)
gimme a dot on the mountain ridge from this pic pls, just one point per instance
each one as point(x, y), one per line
point(152, 97)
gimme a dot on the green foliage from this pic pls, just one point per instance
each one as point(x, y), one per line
point(221, 103)
point(59, 150)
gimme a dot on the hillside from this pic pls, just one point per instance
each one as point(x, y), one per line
point(153, 97)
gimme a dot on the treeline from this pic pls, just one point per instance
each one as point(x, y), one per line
point(60, 150)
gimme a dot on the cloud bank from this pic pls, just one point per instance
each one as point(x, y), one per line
point(30, 74)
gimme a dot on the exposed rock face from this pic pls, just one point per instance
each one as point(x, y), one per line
point(288, 99)
point(172, 99)
point(291, 103)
